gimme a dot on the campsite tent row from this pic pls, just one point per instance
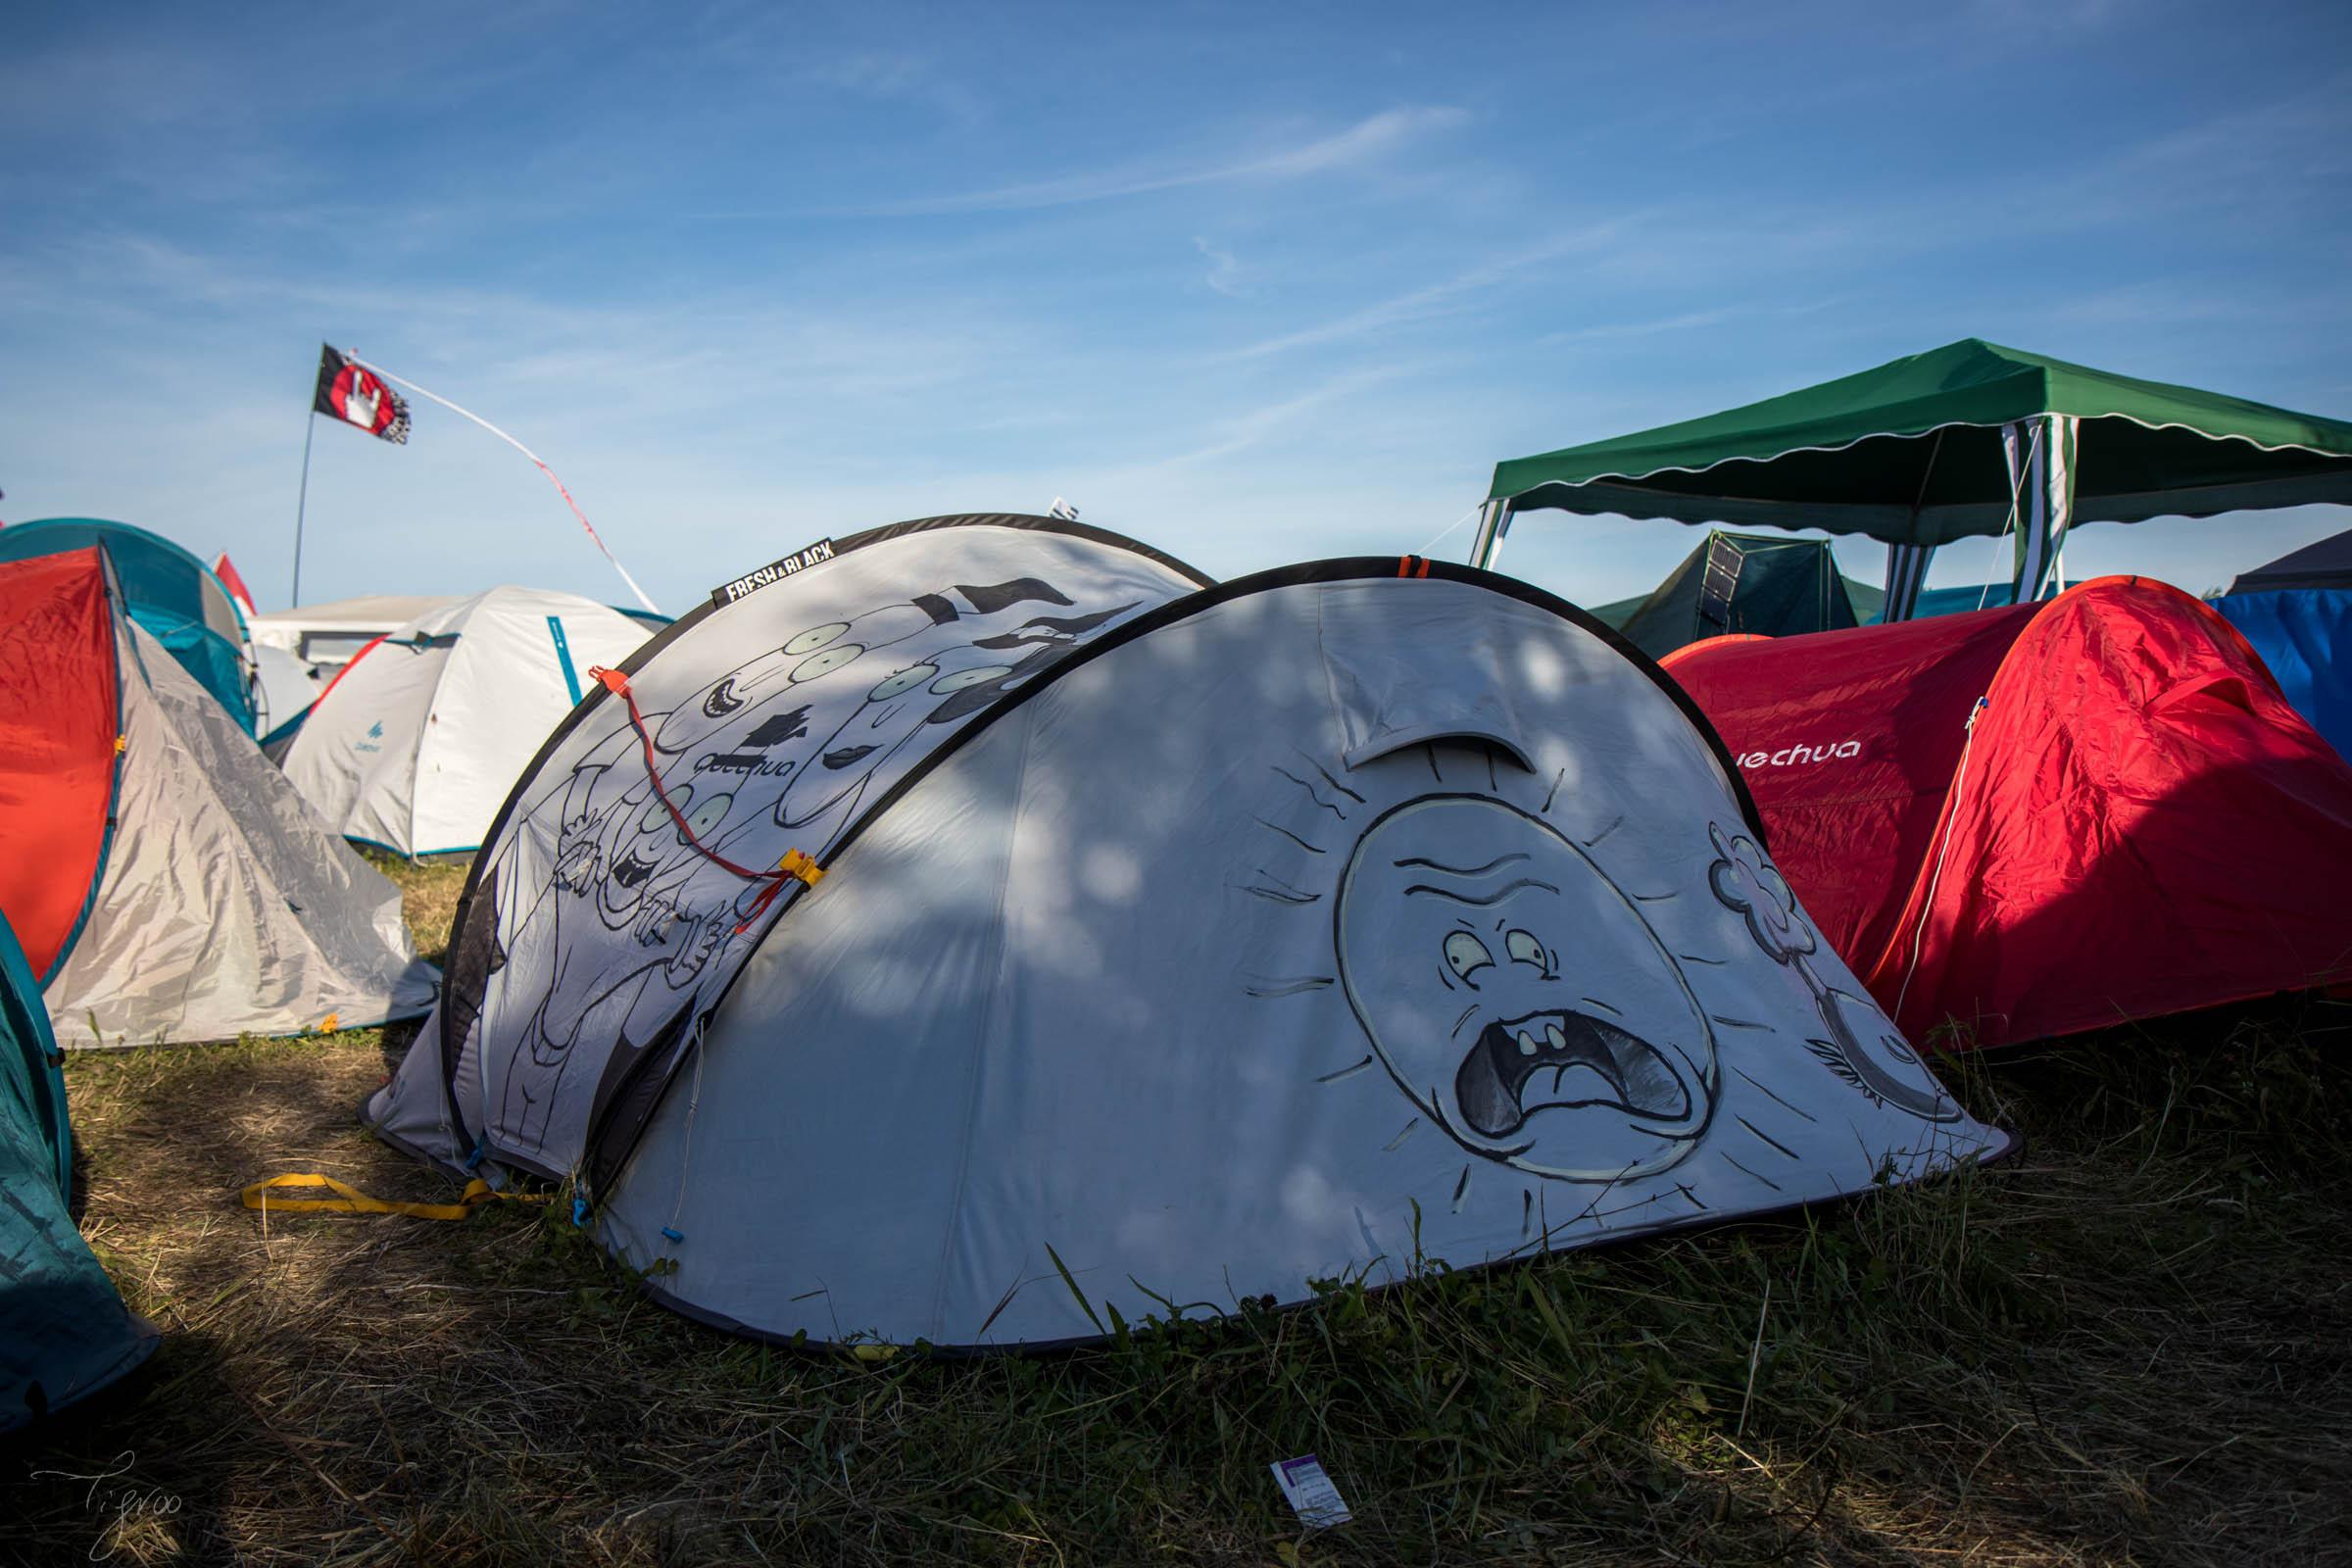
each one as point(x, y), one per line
point(995, 834)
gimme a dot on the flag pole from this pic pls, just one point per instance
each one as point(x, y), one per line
point(593, 536)
point(310, 426)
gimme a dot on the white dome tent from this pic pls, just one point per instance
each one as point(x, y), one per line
point(419, 739)
point(1255, 936)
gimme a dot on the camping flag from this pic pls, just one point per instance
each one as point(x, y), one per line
point(353, 393)
point(226, 570)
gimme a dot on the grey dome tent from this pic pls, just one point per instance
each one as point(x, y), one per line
point(1228, 940)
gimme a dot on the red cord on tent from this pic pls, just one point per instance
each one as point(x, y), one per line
point(793, 868)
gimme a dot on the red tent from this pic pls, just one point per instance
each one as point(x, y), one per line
point(2047, 818)
point(57, 747)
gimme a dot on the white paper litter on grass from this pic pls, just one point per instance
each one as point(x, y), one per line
point(1310, 1492)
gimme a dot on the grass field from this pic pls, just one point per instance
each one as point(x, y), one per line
point(2132, 1343)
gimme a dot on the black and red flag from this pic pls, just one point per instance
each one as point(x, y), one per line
point(353, 393)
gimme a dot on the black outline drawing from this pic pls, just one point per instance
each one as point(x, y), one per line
point(1507, 921)
point(742, 761)
point(1744, 879)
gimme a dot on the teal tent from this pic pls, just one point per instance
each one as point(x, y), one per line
point(64, 1330)
point(1930, 602)
point(1967, 439)
point(1764, 584)
point(167, 591)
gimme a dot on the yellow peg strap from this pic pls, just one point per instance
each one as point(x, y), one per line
point(349, 1200)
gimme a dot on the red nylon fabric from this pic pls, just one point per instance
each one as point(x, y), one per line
point(1847, 739)
point(2144, 827)
point(58, 721)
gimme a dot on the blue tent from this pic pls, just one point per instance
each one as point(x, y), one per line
point(64, 1330)
point(167, 591)
point(2305, 635)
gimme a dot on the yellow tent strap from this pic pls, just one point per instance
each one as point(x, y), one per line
point(351, 1201)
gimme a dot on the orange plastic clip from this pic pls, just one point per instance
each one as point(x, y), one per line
point(794, 864)
point(611, 680)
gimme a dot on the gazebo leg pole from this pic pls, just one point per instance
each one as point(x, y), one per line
point(1906, 573)
point(1494, 520)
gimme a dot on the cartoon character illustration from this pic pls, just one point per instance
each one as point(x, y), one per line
point(1517, 996)
point(1860, 1035)
point(777, 753)
point(1540, 1011)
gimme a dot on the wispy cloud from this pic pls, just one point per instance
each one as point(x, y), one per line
point(1224, 273)
point(1259, 424)
point(1686, 321)
point(1363, 142)
point(1441, 298)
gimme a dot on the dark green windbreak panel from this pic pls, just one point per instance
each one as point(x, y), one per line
point(64, 1330)
point(1910, 451)
point(1764, 584)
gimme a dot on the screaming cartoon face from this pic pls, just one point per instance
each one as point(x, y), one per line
point(1517, 996)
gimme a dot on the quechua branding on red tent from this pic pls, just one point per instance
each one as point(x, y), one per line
point(351, 392)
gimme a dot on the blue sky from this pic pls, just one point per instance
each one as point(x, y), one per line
point(1255, 284)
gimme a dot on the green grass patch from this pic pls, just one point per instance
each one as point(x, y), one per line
point(2128, 1343)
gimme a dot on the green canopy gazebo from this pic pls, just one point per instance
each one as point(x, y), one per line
point(1968, 439)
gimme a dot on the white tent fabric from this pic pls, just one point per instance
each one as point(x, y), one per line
point(1299, 927)
point(329, 633)
point(289, 686)
point(226, 907)
point(417, 743)
point(593, 929)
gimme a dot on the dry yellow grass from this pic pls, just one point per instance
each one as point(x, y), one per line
point(2129, 1346)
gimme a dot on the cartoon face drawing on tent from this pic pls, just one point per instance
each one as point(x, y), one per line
point(778, 753)
point(1537, 986)
point(1498, 1025)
